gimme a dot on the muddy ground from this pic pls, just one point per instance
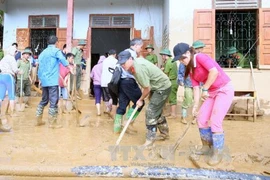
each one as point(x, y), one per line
point(30, 146)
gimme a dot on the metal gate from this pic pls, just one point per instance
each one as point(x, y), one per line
point(38, 38)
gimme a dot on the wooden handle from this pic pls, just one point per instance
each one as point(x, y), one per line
point(126, 126)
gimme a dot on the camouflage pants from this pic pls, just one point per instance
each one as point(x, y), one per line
point(26, 87)
point(155, 107)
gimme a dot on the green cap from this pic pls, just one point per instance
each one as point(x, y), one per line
point(232, 50)
point(82, 42)
point(165, 52)
point(198, 44)
point(149, 46)
point(27, 51)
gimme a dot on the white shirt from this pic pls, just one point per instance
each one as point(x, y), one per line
point(106, 76)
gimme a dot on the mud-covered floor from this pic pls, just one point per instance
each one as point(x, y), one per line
point(30, 146)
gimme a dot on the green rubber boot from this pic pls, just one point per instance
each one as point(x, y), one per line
point(130, 111)
point(131, 128)
point(117, 123)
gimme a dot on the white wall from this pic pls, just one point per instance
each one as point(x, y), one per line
point(265, 3)
point(166, 17)
point(146, 13)
point(16, 15)
point(181, 19)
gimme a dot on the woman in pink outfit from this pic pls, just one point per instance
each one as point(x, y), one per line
point(95, 75)
point(217, 95)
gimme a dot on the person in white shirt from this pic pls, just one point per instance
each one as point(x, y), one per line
point(106, 76)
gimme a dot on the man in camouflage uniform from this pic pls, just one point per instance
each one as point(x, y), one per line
point(77, 51)
point(170, 69)
point(154, 83)
point(151, 56)
point(25, 66)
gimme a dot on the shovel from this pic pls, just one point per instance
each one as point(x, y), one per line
point(166, 154)
point(21, 106)
point(125, 128)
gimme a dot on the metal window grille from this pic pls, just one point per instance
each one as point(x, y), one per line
point(101, 21)
point(111, 21)
point(236, 29)
point(122, 21)
point(43, 21)
point(236, 4)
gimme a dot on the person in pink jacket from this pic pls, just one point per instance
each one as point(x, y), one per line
point(217, 96)
point(95, 75)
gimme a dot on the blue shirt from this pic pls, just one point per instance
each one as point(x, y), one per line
point(181, 76)
point(48, 71)
point(18, 55)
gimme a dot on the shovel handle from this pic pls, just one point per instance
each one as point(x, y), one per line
point(126, 126)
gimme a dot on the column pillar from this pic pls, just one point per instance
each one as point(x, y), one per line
point(70, 18)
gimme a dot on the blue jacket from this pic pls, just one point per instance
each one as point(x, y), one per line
point(181, 76)
point(48, 71)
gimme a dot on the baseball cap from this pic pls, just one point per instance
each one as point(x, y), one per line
point(179, 50)
point(123, 57)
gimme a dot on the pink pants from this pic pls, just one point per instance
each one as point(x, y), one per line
point(215, 108)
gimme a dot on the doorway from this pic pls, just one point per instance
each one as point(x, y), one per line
point(104, 39)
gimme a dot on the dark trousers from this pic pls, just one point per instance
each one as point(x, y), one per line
point(51, 94)
point(128, 91)
point(98, 93)
point(105, 94)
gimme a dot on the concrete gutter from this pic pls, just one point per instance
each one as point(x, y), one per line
point(125, 172)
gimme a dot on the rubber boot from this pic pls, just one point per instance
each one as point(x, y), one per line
point(39, 113)
point(184, 116)
point(64, 109)
point(218, 145)
point(206, 138)
point(117, 123)
point(131, 127)
point(150, 137)
point(163, 129)
point(98, 109)
point(53, 118)
point(4, 126)
point(26, 102)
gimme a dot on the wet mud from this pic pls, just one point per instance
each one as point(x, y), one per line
point(54, 152)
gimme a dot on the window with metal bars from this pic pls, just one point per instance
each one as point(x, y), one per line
point(113, 21)
point(236, 29)
point(47, 21)
point(237, 4)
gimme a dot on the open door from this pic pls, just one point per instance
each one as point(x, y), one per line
point(264, 39)
point(204, 30)
point(23, 38)
point(61, 33)
point(135, 33)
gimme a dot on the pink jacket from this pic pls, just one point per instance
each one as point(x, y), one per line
point(97, 71)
